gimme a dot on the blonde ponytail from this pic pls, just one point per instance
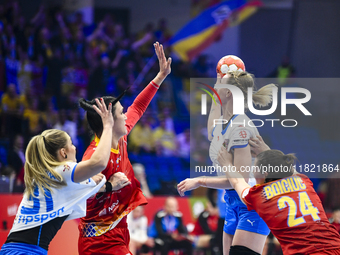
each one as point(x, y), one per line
point(41, 159)
point(244, 80)
point(264, 95)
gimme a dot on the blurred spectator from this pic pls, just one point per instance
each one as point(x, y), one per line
point(284, 71)
point(335, 219)
point(11, 69)
point(201, 67)
point(164, 140)
point(183, 144)
point(171, 232)
point(138, 225)
point(16, 161)
point(67, 124)
point(141, 137)
point(24, 72)
point(51, 115)
point(163, 33)
point(54, 64)
point(35, 119)
point(206, 226)
point(11, 110)
point(168, 118)
point(139, 171)
point(100, 77)
point(146, 49)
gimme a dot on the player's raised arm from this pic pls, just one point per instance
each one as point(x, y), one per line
point(215, 113)
point(99, 159)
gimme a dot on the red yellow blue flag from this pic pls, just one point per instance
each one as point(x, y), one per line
point(203, 30)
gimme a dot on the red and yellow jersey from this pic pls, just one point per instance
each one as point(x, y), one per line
point(294, 213)
point(106, 210)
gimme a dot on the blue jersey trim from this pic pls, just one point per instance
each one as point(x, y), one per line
point(212, 132)
point(72, 174)
point(39, 235)
point(225, 130)
point(239, 146)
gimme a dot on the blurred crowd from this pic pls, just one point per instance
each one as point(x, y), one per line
point(49, 61)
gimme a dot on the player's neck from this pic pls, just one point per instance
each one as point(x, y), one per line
point(227, 111)
point(114, 144)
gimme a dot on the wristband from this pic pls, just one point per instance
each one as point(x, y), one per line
point(108, 187)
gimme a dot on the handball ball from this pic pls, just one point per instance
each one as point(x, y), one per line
point(230, 63)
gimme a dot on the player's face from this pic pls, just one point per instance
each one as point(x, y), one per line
point(119, 121)
point(224, 95)
point(70, 150)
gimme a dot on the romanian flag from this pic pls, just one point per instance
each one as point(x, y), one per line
point(203, 30)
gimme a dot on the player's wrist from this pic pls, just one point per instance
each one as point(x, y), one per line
point(202, 181)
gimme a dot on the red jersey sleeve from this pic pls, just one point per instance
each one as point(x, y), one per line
point(138, 107)
point(248, 198)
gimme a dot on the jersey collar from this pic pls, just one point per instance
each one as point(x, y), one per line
point(115, 151)
point(232, 118)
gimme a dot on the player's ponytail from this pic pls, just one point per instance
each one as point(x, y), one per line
point(289, 158)
point(41, 159)
point(245, 80)
point(264, 95)
point(276, 164)
point(93, 118)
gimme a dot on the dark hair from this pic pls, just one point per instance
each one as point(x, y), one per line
point(270, 159)
point(93, 118)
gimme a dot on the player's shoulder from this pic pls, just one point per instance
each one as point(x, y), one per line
point(66, 166)
point(242, 123)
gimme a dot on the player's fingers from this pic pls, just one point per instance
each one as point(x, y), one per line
point(156, 48)
point(181, 192)
point(109, 109)
point(169, 62)
point(252, 143)
point(97, 110)
point(260, 138)
point(100, 104)
point(180, 185)
point(162, 52)
point(125, 184)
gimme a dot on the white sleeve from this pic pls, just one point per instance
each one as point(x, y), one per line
point(239, 138)
point(67, 171)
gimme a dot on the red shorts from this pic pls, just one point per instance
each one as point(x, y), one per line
point(115, 241)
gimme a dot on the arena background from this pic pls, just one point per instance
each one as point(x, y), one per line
point(305, 33)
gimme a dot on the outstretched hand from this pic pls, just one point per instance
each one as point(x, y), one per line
point(164, 64)
point(187, 185)
point(104, 113)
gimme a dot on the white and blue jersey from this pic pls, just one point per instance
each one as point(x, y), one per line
point(69, 200)
point(235, 135)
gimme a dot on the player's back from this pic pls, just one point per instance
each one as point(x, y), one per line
point(294, 213)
